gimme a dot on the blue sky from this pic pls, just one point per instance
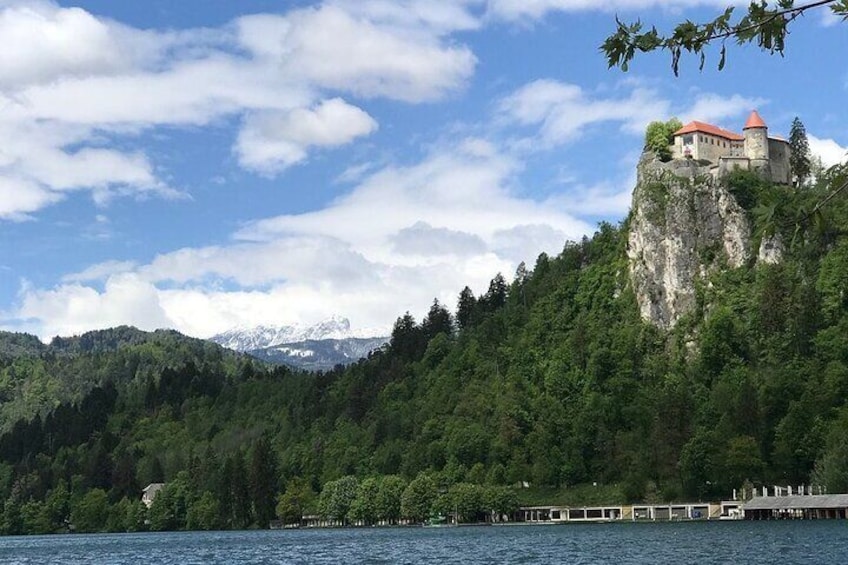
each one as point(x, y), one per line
point(207, 164)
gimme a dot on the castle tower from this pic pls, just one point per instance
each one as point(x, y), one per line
point(756, 141)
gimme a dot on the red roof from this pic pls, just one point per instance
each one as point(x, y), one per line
point(754, 121)
point(702, 127)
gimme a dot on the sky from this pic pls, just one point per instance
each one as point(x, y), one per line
point(209, 164)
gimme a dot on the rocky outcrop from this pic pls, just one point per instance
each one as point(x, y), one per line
point(771, 250)
point(684, 225)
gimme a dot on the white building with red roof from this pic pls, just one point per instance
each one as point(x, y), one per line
point(727, 150)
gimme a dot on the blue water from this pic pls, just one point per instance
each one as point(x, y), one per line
point(701, 543)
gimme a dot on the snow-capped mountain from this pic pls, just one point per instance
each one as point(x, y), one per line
point(261, 337)
point(321, 354)
point(320, 346)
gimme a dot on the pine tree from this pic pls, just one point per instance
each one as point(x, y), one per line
point(799, 158)
point(495, 297)
point(239, 492)
point(438, 321)
point(521, 277)
point(465, 308)
point(408, 340)
point(262, 482)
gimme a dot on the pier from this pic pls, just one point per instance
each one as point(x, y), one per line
point(779, 503)
point(727, 510)
point(797, 507)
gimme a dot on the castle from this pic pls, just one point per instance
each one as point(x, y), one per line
point(754, 150)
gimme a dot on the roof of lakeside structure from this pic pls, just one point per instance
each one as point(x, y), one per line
point(797, 501)
point(702, 127)
point(754, 121)
point(153, 487)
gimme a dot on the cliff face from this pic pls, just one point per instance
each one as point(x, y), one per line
point(683, 225)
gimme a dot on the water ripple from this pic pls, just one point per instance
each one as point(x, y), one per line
point(753, 543)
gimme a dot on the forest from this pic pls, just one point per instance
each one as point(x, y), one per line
point(547, 387)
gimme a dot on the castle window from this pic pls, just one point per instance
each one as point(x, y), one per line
point(687, 139)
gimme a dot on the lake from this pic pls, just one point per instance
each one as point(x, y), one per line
point(700, 542)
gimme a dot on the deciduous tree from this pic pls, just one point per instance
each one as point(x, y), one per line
point(766, 24)
point(418, 498)
point(659, 137)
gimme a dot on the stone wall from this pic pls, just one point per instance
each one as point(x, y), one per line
point(779, 159)
point(756, 143)
point(729, 164)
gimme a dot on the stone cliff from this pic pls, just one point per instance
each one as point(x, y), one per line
point(684, 225)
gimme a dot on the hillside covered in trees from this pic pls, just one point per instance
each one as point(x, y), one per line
point(550, 379)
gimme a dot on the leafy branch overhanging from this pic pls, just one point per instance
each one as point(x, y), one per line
point(764, 25)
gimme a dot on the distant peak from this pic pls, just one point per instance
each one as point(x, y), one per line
point(263, 336)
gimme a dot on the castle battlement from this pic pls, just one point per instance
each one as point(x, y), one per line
point(754, 150)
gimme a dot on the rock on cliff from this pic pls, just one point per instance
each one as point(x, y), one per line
point(684, 224)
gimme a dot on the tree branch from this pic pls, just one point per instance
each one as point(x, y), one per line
point(768, 27)
point(792, 12)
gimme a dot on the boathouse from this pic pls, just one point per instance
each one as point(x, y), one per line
point(634, 513)
point(797, 507)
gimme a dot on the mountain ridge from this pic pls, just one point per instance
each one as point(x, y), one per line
point(320, 346)
point(319, 354)
point(248, 338)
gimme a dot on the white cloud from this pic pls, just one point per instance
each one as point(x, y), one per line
point(524, 242)
point(562, 110)
point(258, 265)
point(463, 188)
point(423, 240)
point(402, 235)
point(90, 167)
point(271, 141)
point(74, 308)
point(440, 17)
point(389, 245)
point(831, 152)
point(512, 10)
point(713, 108)
point(18, 198)
point(355, 173)
point(332, 48)
point(602, 200)
point(829, 18)
point(70, 81)
point(42, 43)
point(100, 271)
point(41, 167)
